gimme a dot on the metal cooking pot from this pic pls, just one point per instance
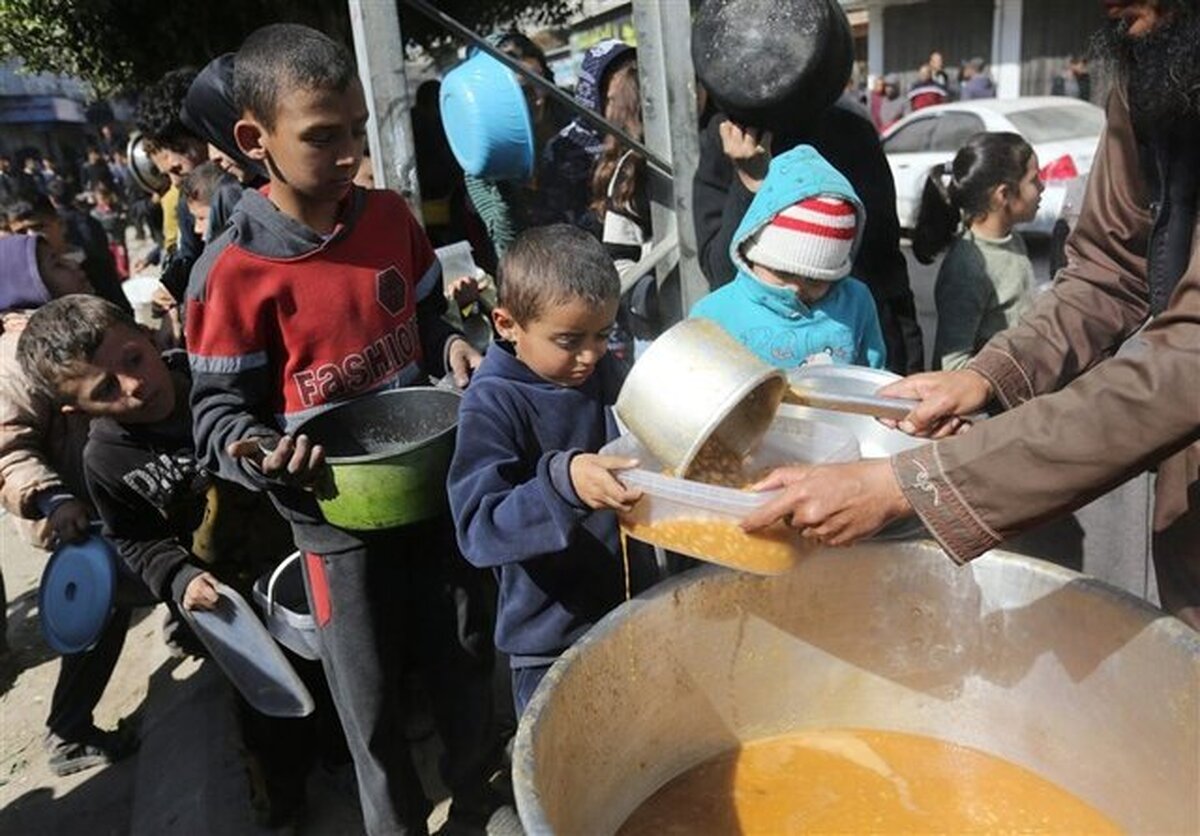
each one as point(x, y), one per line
point(775, 64)
point(145, 172)
point(388, 455)
point(1087, 686)
point(697, 381)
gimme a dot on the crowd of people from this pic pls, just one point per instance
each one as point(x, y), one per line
point(888, 101)
point(294, 287)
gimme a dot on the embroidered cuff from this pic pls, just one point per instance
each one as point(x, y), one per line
point(941, 507)
point(1013, 387)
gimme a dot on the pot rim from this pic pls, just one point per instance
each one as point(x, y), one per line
point(399, 450)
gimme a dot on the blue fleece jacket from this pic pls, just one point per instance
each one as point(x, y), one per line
point(843, 327)
point(514, 508)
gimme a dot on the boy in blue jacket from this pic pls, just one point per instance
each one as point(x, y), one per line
point(528, 493)
point(793, 301)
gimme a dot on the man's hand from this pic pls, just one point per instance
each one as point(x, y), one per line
point(835, 504)
point(297, 461)
point(593, 479)
point(749, 149)
point(201, 593)
point(945, 397)
point(70, 521)
point(464, 360)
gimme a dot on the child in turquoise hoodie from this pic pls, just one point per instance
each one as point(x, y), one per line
point(793, 301)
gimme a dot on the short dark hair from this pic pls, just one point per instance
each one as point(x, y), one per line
point(555, 264)
point(63, 333)
point(281, 57)
point(30, 208)
point(201, 183)
point(158, 112)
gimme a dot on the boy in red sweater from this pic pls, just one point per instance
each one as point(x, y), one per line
point(319, 292)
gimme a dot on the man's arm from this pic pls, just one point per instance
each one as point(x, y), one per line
point(1061, 450)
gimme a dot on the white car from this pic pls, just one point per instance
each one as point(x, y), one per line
point(1064, 133)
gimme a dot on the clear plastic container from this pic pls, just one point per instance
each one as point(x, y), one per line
point(703, 521)
point(457, 261)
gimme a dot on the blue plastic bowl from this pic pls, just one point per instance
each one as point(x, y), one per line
point(486, 119)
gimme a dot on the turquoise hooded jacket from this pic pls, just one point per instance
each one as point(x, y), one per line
point(842, 328)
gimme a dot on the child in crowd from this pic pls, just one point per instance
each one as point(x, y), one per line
point(108, 210)
point(793, 301)
point(986, 280)
point(158, 506)
point(198, 188)
point(529, 494)
point(43, 488)
point(317, 294)
point(175, 151)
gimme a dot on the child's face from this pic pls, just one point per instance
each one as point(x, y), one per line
point(177, 163)
point(565, 342)
point(199, 210)
point(126, 379)
point(809, 291)
point(316, 144)
point(61, 275)
point(227, 163)
point(1021, 204)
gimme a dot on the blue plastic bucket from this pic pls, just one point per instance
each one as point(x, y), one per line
point(487, 120)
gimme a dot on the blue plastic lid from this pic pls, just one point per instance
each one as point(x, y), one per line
point(75, 598)
point(486, 119)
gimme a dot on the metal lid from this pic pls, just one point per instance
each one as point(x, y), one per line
point(75, 598)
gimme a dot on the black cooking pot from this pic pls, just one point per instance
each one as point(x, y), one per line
point(772, 63)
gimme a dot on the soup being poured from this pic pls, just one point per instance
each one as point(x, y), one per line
point(859, 781)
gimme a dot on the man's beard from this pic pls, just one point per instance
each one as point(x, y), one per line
point(1161, 69)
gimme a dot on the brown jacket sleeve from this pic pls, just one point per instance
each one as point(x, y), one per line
point(25, 469)
point(1093, 430)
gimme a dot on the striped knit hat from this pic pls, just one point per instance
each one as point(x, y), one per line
point(813, 238)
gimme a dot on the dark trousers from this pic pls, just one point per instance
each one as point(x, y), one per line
point(82, 679)
point(901, 334)
point(394, 602)
point(524, 682)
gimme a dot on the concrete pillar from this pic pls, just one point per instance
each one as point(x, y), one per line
point(875, 66)
point(1006, 48)
point(379, 48)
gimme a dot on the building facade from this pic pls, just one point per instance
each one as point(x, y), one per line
point(1025, 42)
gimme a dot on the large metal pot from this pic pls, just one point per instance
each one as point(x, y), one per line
point(1089, 687)
point(694, 382)
point(388, 455)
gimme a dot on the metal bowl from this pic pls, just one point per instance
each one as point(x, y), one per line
point(145, 172)
point(694, 382)
point(1053, 671)
point(874, 439)
point(388, 455)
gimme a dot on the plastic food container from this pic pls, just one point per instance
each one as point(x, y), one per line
point(703, 521)
point(247, 653)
